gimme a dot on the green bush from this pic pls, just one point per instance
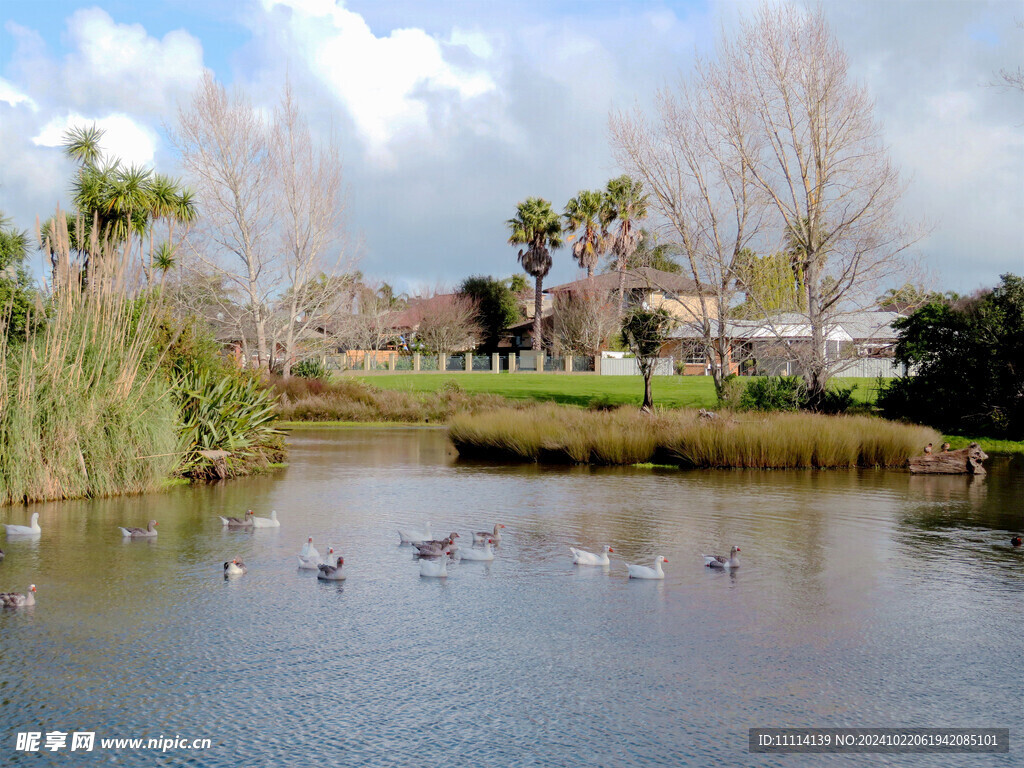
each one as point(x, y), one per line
point(226, 413)
point(310, 369)
point(774, 393)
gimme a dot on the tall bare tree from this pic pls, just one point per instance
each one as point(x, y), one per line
point(271, 202)
point(309, 210)
point(692, 155)
point(822, 163)
point(225, 149)
point(772, 144)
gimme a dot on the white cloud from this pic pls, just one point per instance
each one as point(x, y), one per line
point(123, 67)
point(11, 95)
point(123, 138)
point(385, 83)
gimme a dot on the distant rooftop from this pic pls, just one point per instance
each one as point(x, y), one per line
point(641, 278)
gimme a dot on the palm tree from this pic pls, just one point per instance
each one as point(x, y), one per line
point(118, 204)
point(537, 227)
point(625, 203)
point(584, 212)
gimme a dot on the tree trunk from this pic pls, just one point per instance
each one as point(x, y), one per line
point(648, 405)
point(816, 368)
point(538, 304)
point(622, 284)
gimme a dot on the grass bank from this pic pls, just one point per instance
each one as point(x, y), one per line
point(582, 390)
point(554, 434)
point(988, 445)
point(351, 401)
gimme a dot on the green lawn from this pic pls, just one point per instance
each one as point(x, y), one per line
point(669, 391)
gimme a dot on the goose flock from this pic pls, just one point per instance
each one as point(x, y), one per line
point(432, 555)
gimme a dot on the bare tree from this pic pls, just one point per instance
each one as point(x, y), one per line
point(692, 156)
point(225, 148)
point(772, 145)
point(820, 159)
point(309, 212)
point(584, 320)
point(448, 323)
point(368, 323)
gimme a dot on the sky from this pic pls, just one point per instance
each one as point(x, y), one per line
point(449, 113)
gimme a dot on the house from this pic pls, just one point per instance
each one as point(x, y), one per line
point(644, 286)
point(858, 343)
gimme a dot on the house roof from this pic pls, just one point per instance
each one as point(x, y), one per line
point(643, 277)
point(417, 309)
point(853, 326)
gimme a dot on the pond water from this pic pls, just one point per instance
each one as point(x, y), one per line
point(864, 599)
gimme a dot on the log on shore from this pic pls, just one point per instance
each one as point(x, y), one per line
point(966, 461)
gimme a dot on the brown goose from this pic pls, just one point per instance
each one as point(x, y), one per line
point(17, 599)
point(481, 537)
point(332, 572)
point(234, 522)
point(433, 548)
point(717, 561)
point(140, 533)
point(234, 567)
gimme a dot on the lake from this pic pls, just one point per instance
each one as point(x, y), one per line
point(865, 598)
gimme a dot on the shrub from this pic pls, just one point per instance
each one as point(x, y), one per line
point(773, 393)
point(226, 413)
point(310, 369)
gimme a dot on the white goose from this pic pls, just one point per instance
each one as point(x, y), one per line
point(234, 567)
point(717, 561)
point(332, 572)
point(582, 557)
point(17, 599)
point(140, 533)
point(481, 537)
point(309, 557)
point(412, 536)
point(484, 555)
point(436, 569)
point(32, 529)
point(266, 522)
point(643, 572)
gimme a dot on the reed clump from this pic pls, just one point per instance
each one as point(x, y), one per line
point(550, 433)
point(82, 411)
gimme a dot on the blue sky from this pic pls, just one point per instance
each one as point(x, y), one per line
point(451, 112)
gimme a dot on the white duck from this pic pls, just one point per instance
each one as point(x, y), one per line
point(234, 522)
point(437, 568)
point(267, 522)
point(140, 533)
point(332, 572)
point(486, 554)
point(234, 567)
point(582, 557)
point(481, 537)
point(412, 536)
point(309, 557)
point(17, 599)
point(643, 572)
point(717, 561)
point(32, 529)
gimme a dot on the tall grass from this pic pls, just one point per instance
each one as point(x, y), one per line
point(82, 412)
point(552, 433)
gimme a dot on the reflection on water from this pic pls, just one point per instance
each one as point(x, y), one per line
point(864, 598)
